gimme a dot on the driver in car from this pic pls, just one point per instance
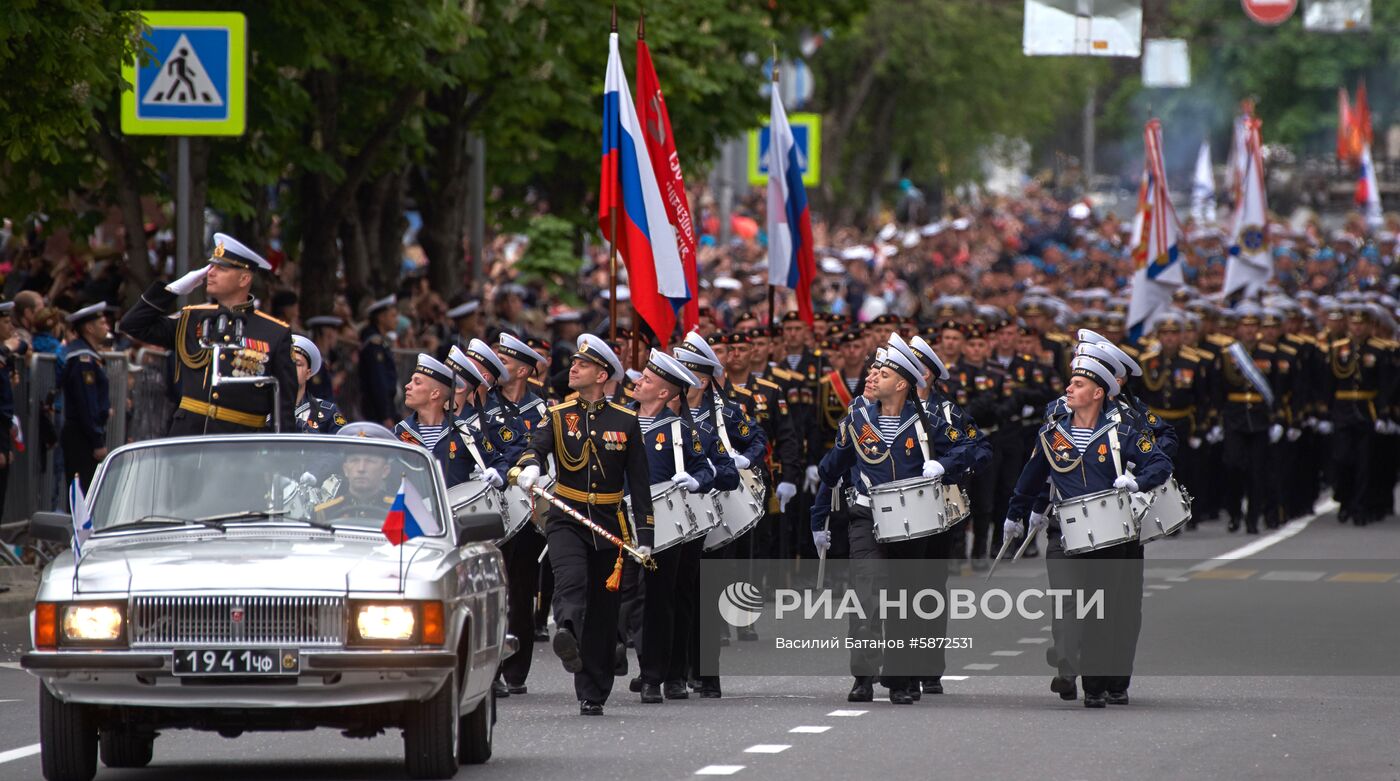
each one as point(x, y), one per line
point(367, 490)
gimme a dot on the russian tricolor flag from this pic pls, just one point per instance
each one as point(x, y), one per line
point(409, 517)
point(791, 261)
point(629, 190)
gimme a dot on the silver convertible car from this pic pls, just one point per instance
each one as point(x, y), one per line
point(243, 583)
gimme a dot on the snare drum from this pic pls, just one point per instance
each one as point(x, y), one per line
point(1166, 510)
point(908, 509)
point(956, 504)
point(1097, 520)
point(477, 497)
point(517, 509)
point(674, 522)
point(705, 513)
point(739, 510)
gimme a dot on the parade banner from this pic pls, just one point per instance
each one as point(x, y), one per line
point(1156, 256)
point(628, 194)
point(661, 148)
point(1251, 263)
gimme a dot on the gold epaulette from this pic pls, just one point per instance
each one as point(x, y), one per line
point(1288, 349)
point(1056, 336)
point(1384, 344)
point(1145, 357)
point(744, 391)
point(565, 404)
point(770, 383)
point(1268, 348)
point(621, 408)
point(1220, 340)
point(282, 323)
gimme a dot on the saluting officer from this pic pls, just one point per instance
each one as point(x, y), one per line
point(595, 443)
point(254, 344)
point(317, 416)
point(85, 395)
point(379, 378)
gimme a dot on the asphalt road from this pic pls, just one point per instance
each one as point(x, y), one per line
point(996, 723)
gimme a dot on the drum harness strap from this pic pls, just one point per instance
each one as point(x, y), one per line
point(464, 429)
point(1115, 449)
point(863, 500)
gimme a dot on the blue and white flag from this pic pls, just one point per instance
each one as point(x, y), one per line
point(82, 519)
point(1156, 251)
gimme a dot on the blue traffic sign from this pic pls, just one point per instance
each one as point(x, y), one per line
point(806, 133)
point(193, 80)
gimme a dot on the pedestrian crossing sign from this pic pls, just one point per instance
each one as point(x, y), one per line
point(192, 78)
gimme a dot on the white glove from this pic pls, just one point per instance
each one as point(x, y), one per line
point(1037, 522)
point(1324, 427)
point(1010, 529)
point(684, 480)
point(1126, 481)
point(1310, 422)
point(741, 461)
point(527, 477)
point(821, 539)
point(813, 479)
point(1028, 411)
point(644, 551)
point(1193, 442)
point(1293, 434)
point(1275, 433)
point(933, 469)
point(1216, 435)
point(786, 491)
point(1381, 427)
point(493, 477)
point(188, 282)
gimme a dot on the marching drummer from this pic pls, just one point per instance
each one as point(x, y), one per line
point(522, 551)
point(596, 444)
point(676, 455)
point(431, 424)
point(1080, 451)
point(890, 439)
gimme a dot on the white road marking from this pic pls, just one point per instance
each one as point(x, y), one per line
point(953, 678)
point(1033, 640)
point(980, 666)
point(1288, 530)
point(719, 770)
point(767, 748)
point(4, 701)
point(19, 753)
point(810, 729)
point(1045, 628)
point(847, 713)
point(10, 666)
point(1293, 575)
point(1158, 586)
point(1166, 573)
point(1007, 653)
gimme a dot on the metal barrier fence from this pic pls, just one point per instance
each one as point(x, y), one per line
point(33, 481)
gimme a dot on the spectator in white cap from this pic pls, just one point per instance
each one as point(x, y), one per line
point(252, 344)
point(316, 416)
point(466, 322)
point(428, 396)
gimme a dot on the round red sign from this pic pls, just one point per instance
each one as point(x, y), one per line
point(1269, 12)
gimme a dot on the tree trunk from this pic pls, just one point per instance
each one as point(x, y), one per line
point(440, 190)
point(387, 247)
point(355, 252)
point(127, 184)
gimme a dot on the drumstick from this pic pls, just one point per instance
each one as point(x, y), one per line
point(821, 556)
point(1024, 544)
point(1006, 543)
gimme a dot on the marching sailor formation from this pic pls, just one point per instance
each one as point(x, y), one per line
point(797, 430)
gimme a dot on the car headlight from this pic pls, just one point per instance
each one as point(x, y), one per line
point(397, 623)
point(92, 623)
point(386, 622)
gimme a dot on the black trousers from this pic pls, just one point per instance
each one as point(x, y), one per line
point(658, 610)
point(77, 458)
point(1248, 468)
point(522, 554)
point(582, 603)
point(685, 626)
point(898, 668)
point(1101, 649)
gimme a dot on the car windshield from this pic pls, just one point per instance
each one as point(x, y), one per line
point(325, 481)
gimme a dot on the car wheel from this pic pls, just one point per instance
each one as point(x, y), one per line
point(430, 734)
point(126, 747)
point(474, 734)
point(67, 739)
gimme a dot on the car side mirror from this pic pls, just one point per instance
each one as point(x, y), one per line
point(478, 526)
point(54, 527)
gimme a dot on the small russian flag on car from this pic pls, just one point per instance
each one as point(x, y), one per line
point(409, 516)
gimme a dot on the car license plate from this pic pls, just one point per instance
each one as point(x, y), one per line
point(236, 661)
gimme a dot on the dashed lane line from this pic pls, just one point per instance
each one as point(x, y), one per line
point(980, 666)
point(19, 753)
point(719, 770)
point(810, 729)
point(1033, 640)
point(847, 713)
point(1007, 653)
point(767, 748)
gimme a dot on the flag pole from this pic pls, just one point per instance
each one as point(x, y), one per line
point(612, 244)
point(403, 476)
point(636, 319)
point(772, 315)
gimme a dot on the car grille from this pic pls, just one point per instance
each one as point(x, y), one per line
point(235, 620)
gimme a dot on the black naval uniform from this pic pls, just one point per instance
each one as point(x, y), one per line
point(255, 344)
point(318, 416)
point(86, 409)
point(379, 379)
point(596, 445)
point(1247, 418)
point(1174, 389)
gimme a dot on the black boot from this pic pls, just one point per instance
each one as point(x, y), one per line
point(863, 690)
point(651, 693)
